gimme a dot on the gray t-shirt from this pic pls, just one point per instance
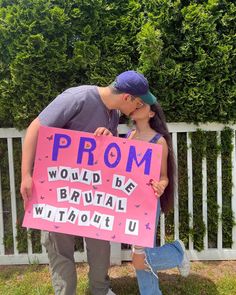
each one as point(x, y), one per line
point(79, 108)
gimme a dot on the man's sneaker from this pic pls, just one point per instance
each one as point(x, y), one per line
point(110, 292)
point(184, 267)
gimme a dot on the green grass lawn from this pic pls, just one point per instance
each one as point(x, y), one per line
point(206, 278)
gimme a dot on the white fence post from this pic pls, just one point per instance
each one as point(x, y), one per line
point(115, 253)
point(13, 193)
point(2, 250)
point(204, 200)
point(190, 187)
point(219, 194)
point(176, 199)
point(234, 188)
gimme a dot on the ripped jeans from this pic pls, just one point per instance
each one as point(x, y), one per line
point(158, 258)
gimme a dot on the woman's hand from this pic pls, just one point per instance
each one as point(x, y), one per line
point(102, 131)
point(158, 187)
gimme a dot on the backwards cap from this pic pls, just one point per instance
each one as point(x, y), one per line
point(135, 84)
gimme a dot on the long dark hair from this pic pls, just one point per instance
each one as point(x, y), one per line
point(158, 123)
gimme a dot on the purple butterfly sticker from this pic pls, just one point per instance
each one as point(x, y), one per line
point(147, 226)
point(50, 137)
point(150, 182)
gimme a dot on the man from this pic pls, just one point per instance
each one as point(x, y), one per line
point(82, 108)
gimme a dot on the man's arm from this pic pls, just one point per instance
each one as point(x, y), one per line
point(28, 154)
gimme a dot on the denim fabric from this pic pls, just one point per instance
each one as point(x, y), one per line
point(148, 283)
point(159, 258)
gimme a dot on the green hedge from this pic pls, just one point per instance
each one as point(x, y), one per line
point(186, 48)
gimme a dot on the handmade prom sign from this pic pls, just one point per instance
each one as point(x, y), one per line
point(94, 186)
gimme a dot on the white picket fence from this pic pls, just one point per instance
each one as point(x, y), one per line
point(117, 254)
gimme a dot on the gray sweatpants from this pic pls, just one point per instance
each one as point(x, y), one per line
point(60, 249)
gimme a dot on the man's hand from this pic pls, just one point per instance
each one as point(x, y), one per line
point(28, 154)
point(26, 189)
point(102, 131)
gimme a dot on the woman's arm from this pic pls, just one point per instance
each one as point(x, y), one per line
point(159, 186)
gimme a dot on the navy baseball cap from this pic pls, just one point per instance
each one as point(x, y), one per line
point(135, 84)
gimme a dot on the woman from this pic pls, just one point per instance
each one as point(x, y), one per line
point(150, 125)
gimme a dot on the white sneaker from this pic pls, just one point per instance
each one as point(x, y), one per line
point(184, 267)
point(110, 292)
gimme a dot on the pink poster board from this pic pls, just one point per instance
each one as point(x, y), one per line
point(96, 187)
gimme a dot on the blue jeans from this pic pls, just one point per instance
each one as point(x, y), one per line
point(159, 258)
